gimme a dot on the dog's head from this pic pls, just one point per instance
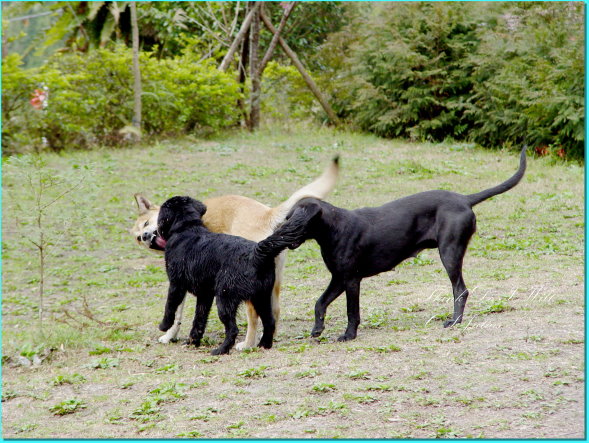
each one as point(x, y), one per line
point(305, 214)
point(175, 215)
point(145, 228)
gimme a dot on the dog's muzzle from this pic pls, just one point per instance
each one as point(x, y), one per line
point(150, 239)
point(147, 237)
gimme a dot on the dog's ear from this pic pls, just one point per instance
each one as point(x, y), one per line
point(164, 221)
point(190, 204)
point(143, 204)
point(199, 206)
point(177, 212)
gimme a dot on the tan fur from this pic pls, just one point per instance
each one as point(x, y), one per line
point(248, 218)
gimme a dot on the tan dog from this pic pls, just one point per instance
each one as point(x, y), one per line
point(237, 215)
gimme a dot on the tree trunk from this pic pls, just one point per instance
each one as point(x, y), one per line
point(136, 71)
point(295, 60)
point(242, 68)
point(240, 35)
point(255, 95)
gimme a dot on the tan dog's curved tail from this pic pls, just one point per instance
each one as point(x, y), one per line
point(319, 188)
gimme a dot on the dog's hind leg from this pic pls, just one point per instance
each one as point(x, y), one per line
point(201, 315)
point(252, 315)
point(353, 308)
point(264, 310)
point(171, 334)
point(333, 291)
point(227, 312)
point(452, 255)
point(252, 326)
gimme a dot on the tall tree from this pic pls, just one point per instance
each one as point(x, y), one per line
point(136, 70)
point(256, 92)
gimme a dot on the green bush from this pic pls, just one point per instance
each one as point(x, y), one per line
point(18, 116)
point(91, 99)
point(499, 74)
point(285, 95)
point(181, 95)
point(529, 79)
point(411, 74)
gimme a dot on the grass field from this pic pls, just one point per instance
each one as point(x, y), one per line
point(513, 369)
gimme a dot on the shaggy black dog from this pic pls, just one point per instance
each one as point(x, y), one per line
point(227, 267)
point(365, 242)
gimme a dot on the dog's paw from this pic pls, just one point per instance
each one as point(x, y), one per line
point(451, 322)
point(243, 345)
point(220, 351)
point(265, 344)
point(192, 342)
point(165, 339)
point(316, 332)
point(346, 337)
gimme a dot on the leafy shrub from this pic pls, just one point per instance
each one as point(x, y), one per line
point(91, 99)
point(499, 74)
point(529, 82)
point(408, 72)
point(18, 115)
point(285, 95)
point(182, 95)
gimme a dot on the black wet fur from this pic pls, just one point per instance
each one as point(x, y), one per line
point(227, 267)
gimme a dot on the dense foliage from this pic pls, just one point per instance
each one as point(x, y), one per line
point(90, 99)
point(411, 77)
point(500, 74)
point(529, 79)
point(495, 73)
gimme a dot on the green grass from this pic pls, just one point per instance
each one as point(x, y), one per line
point(67, 379)
point(254, 372)
point(104, 297)
point(324, 387)
point(67, 407)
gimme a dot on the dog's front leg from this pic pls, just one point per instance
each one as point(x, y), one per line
point(172, 333)
point(333, 291)
point(353, 308)
point(227, 312)
point(201, 315)
point(176, 296)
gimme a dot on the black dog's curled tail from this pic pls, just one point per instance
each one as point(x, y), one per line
point(291, 234)
point(474, 199)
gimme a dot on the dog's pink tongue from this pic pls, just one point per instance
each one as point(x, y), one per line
point(160, 242)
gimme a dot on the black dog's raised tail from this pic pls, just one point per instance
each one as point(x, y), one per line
point(474, 199)
point(291, 234)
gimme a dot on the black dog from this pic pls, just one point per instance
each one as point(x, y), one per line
point(365, 242)
point(231, 268)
